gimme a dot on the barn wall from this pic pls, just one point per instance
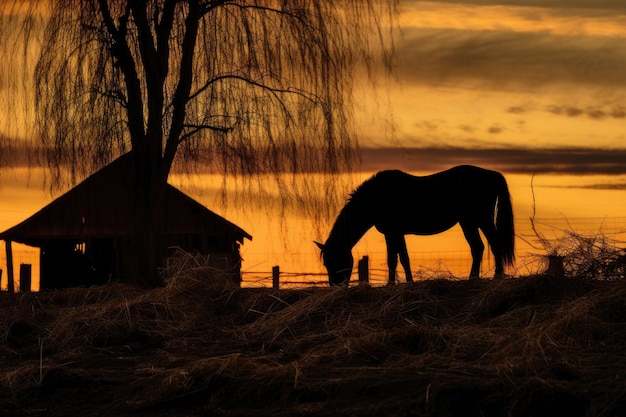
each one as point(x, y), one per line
point(70, 263)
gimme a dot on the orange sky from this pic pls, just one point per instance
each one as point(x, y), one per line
point(524, 86)
point(488, 75)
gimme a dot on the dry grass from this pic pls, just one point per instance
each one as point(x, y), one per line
point(531, 346)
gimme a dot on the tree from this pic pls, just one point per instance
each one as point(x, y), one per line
point(243, 86)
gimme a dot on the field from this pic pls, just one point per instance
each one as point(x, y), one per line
point(531, 346)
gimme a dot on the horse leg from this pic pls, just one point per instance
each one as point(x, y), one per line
point(476, 247)
point(492, 238)
point(404, 260)
point(392, 256)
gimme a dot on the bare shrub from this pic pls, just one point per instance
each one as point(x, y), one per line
point(589, 256)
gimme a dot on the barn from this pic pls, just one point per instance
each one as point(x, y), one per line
point(85, 234)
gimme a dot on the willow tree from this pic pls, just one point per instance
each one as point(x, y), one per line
point(244, 86)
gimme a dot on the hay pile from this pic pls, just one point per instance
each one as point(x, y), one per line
point(532, 346)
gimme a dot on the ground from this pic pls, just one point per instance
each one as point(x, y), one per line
point(531, 346)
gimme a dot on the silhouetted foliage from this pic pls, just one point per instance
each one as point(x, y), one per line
point(248, 87)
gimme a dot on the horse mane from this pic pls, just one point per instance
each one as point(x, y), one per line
point(364, 190)
point(357, 198)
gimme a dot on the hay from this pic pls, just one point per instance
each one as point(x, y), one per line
point(198, 346)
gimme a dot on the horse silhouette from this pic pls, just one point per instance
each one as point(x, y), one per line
point(397, 204)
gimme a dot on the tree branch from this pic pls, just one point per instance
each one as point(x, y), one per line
point(211, 5)
point(115, 95)
point(107, 19)
point(275, 90)
point(196, 128)
point(121, 51)
point(164, 29)
point(185, 79)
point(282, 12)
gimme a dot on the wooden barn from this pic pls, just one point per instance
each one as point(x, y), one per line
point(85, 234)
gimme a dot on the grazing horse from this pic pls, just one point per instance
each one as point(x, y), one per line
point(398, 204)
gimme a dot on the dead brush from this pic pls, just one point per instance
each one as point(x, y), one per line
point(588, 256)
point(592, 256)
point(118, 317)
point(192, 347)
point(191, 272)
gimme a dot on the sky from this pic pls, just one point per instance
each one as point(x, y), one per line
point(525, 86)
point(517, 85)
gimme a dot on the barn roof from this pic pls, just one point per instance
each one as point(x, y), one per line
point(100, 207)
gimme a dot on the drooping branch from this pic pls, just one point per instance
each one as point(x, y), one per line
point(275, 90)
point(121, 51)
point(261, 75)
point(183, 88)
point(195, 129)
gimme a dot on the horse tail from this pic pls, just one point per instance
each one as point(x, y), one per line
point(505, 228)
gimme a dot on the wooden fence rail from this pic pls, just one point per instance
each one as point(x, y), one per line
point(363, 274)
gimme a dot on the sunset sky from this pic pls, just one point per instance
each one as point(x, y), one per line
point(522, 86)
point(527, 86)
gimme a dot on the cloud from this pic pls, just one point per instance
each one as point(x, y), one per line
point(501, 59)
point(614, 5)
point(599, 186)
point(512, 160)
point(517, 110)
point(513, 44)
point(547, 17)
point(467, 129)
point(595, 113)
point(495, 129)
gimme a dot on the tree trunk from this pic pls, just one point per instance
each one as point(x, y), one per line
point(146, 249)
point(147, 224)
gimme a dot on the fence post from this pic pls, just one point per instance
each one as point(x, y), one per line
point(555, 266)
point(10, 280)
point(276, 277)
point(364, 270)
point(25, 277)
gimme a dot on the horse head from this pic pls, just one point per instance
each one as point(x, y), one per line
point(338, 263)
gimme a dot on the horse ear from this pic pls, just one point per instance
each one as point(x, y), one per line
point(319, 245)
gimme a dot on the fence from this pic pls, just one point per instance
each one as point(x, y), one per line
point(535, 241)
point(22, 255)
point(429, 264)
point(531, 256)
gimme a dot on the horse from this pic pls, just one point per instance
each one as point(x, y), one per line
point(397, 204)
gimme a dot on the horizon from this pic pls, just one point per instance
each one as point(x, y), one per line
point(287, 240)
